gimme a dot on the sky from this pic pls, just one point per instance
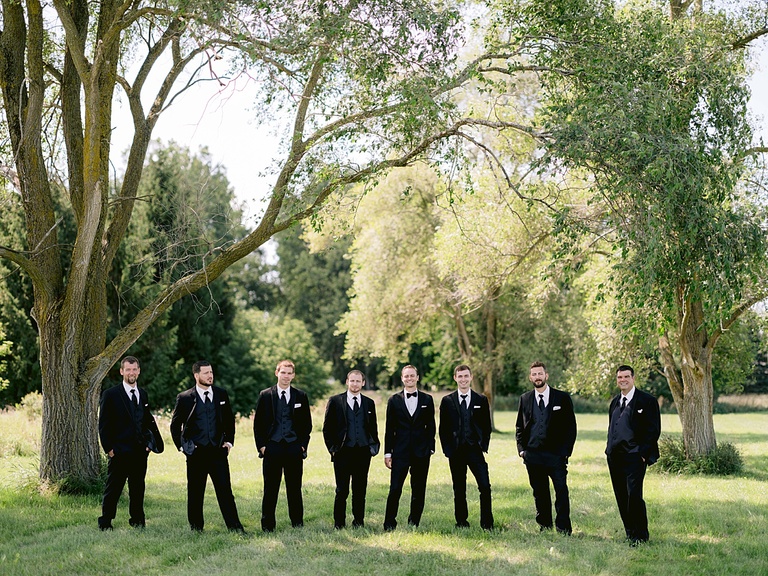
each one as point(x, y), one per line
point(226, 122)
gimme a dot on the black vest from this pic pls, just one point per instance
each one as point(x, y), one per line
point(621, 438)
point(355, 427)
point(137, 415)
point(468, 435)
point(205, 418)
point(283, 429)
point(539, 428)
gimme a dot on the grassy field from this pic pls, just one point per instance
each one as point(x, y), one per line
point(699, 525)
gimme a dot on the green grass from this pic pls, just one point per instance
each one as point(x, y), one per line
point(699, 525)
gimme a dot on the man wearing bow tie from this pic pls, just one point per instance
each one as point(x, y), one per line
point(465, 433)
point(409, 442)
point(128, 432)
point(281, 428)
point(351, 435)
point(203, 427)
point(634, 426)
point(546, 433)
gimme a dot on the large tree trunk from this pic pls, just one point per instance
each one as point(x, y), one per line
point(691, 381)
point(69, 448)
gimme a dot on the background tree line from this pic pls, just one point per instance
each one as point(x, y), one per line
point(367, 295)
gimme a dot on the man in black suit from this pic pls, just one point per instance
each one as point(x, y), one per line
point(546, 433)
point(634, 426)
point(128, 433)
point(465, 432)
point(409, 442)
point(203, 427)
point(281, 428)
point(351, 435)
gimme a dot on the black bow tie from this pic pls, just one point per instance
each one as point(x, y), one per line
point(411, 394)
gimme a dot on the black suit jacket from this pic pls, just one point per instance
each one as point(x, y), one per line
point(407, 435)
point(450, 421)
point(117, 430)
point(561, 428)
point(645, 422)
point(335, 423)
point(264, 421)
point(184, 427)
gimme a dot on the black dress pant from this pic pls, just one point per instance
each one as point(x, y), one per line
point(419, 469)
point(351, 465)
point(122, 467)
point(203, 462)
point(470, 457)
point(543, 466)
point(627, 475)
point(282, 458)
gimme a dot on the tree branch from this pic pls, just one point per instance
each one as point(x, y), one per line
point(735, 315)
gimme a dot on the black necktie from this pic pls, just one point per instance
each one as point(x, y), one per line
point(207, 398)
point(464, 401)
point(355, 405)
point(623, 404)
point(133, 397)
point(411, 394)
point(541, 402)
point(282, 396)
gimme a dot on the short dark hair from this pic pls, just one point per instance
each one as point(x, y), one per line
point(356, 372)
point(537, 365)
point(409, 366)
point(199, 364)
point(287, 363)
point(129, 360)
point(461, 368)
point(625, 368)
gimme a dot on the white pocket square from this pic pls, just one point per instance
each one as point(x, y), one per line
point(556, 407)
point(424, 406)
point(475, 406)
point(222, 402)
point(297, 405)
point(640, 411)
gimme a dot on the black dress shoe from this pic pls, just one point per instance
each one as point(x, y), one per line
point(239, 530)
point(389, 528)
point(464, 524)
point(105, 527)
point(135, 524)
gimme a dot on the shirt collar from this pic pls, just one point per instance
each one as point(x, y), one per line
point(629, 395)
point(201, 392)
point(280, 391)
point(545, 393)
point(350, 396)
point(127, 387)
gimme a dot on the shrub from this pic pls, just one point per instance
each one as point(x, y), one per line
point(724, 460)
point(32, 405)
